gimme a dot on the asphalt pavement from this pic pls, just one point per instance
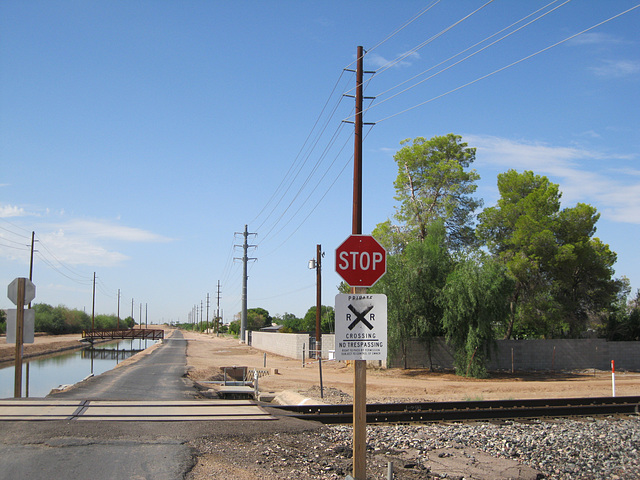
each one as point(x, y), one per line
point(112, 450)
point(158, 376)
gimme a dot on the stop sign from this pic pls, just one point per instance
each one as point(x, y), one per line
point(361, 260)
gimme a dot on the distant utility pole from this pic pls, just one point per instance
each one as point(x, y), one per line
point(218, 320)
point(132, 312)
point(93, 303)
point(118, 327)
point(206, 326)
point(33, 236)
point(245, 259)
point(201, 308)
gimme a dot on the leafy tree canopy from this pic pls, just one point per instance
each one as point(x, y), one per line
point(562, 274)
point(412, 284)
point(433, 183)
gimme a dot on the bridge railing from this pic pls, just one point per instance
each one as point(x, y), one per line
point(134, 333)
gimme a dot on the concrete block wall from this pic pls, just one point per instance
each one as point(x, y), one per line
point(570, 354)
point(580, 354)
point(285, 344)
point(328, 344)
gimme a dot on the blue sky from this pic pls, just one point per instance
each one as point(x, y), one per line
point(136, 138)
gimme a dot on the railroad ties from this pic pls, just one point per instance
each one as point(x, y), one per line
point(468, 410)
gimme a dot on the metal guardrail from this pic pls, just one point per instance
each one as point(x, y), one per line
point(134, 333)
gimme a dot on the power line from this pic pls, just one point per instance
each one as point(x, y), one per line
point(509, 65)
point(301, 148)
point(399, 29)
point(426, 42)
point(466, 50)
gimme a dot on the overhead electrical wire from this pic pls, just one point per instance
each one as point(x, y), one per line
point(280, 192)
point(509, 65)
point(399, 29)
point(307, 180)
point(428, 41)
point(307, 156)
point(301, 148)
point(314, 169)
point(466, 50)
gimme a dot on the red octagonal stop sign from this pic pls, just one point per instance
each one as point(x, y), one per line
point(361, 260)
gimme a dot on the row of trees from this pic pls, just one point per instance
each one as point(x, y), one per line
point(258, 318)
point(524, 268)
point(62, 320)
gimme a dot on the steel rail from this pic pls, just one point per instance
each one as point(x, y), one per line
point(467, 411)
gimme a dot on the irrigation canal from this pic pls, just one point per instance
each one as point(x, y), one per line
point(69, 367)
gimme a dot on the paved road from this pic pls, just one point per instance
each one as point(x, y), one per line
point(108, 450)
point(158, 376)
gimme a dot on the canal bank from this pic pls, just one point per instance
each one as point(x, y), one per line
point(44, 374)
point(42, 345)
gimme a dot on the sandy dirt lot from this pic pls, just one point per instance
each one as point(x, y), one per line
point(206, 354)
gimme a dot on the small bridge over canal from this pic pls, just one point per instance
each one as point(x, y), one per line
point(133, 333)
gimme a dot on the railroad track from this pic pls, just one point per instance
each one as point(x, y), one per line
point(467, 410)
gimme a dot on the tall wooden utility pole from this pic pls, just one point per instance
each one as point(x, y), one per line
point(356, 218)
point(360, 366)
point(318, 301)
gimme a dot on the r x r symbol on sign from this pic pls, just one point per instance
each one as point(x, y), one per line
point(360, 317)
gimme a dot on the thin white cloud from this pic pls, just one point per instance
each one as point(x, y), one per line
point(59, 247)
point(617, 68)
point(107, 230)
point(378, 61)
point(594, 38)
point(7, 211)
point(615, 195)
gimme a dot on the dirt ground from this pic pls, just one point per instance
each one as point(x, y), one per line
point(317, 456)
point(313, 454)
point(206, 354)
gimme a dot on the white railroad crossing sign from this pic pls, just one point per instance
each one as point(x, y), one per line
point(361, 326)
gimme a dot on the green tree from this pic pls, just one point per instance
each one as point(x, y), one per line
point(258, 318)
point(290, 323)
point(327, 320)
point(475, 298)
point(562, 275)
point(3, 321)
point(234, 327)
point(433, 183)
point(623, 322)
point(412, 284)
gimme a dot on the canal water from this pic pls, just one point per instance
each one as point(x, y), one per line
point(67, 368)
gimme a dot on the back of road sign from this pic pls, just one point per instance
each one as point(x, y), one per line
point(27, 329)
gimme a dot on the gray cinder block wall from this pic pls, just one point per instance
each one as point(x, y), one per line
point(580, 354)
point(570, 354)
